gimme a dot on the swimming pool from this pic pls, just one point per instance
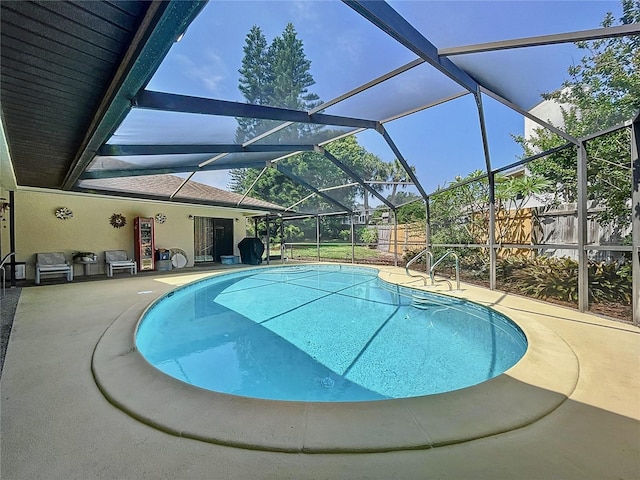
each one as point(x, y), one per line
point(324, 334)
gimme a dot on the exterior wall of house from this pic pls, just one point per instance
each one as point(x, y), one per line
point(37, 229)
point(548, 110)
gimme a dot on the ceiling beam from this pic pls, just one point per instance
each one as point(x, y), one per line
point(161, 26)
point(529, 115)
point(310, 187)
point(355, 176)
point(113, 150)
point(382, 131)
point(137, 172)
point(382, 15)
point(178, 200)
point(569, 37)
point(170, 102)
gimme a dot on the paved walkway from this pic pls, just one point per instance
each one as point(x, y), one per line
point(56, 423)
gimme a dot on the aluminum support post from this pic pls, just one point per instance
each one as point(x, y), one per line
point(395, 238)
point(268, 242)
point(427, 231)
point(635, 204)
point(583, 273)
point(492, 231)
point(353, 241)
point(12, 235)
point(282, 244)
point(318, 235)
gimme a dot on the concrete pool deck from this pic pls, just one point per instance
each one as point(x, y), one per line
point(572, 412)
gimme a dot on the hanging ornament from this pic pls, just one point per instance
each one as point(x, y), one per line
point(117, 220)
point(63, 213)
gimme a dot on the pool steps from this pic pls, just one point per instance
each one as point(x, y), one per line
point(417, 301)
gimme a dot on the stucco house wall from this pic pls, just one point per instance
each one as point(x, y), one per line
point(37, 229)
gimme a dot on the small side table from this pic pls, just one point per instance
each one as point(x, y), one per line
point(87, 265)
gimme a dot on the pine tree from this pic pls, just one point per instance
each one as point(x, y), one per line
point(276, 76)
point(254, 80)
point(290, 78)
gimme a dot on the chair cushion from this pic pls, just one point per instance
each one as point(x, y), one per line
point(125, 263)
point(112, 256)
point(54, 268)
point(51, 258)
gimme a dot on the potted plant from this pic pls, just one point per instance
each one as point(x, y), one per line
point(84, 257)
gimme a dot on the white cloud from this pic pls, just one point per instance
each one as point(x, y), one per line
point(208, 70)
point(304, 10)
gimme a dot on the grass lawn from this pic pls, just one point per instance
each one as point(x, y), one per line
point(335, 252)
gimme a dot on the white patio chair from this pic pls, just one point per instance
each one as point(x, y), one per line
point(52, 263)
point(118, 259)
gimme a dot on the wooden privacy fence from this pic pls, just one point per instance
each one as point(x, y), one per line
point(411, 236)
point(527, 226)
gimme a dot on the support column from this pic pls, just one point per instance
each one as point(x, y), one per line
point(583, 273)
point(318, 235)
point(282, 244)
point(395, 238)
point(427, 231)
point(492, 193)
point(268, 242)
point(492, 231)
point(635, 210)
point(353, 241)
point(12, 235)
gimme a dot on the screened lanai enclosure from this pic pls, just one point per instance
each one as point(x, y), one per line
point(429, 133)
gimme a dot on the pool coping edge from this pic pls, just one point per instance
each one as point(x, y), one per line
point(537, 385)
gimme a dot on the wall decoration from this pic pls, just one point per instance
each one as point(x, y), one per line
point(63, 213)
point(161, 218)
point(117, 220)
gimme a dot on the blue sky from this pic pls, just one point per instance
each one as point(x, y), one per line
point(347, 51)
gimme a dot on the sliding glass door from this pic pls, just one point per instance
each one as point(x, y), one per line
point(213, 237)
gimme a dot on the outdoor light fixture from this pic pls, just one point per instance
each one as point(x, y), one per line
point(179, 37)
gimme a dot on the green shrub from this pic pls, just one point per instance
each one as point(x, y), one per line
point(547, 277)
point(345, 235)
point(368, 235)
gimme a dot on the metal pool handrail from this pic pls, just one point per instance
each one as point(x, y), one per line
point(2, 263)
point(455, 255)
point(414, 259)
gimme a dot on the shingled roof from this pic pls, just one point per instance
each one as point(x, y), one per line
point(159, 186)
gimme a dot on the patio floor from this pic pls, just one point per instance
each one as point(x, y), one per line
point(56, 423)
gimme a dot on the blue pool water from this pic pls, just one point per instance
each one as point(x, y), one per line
point(324, 333)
